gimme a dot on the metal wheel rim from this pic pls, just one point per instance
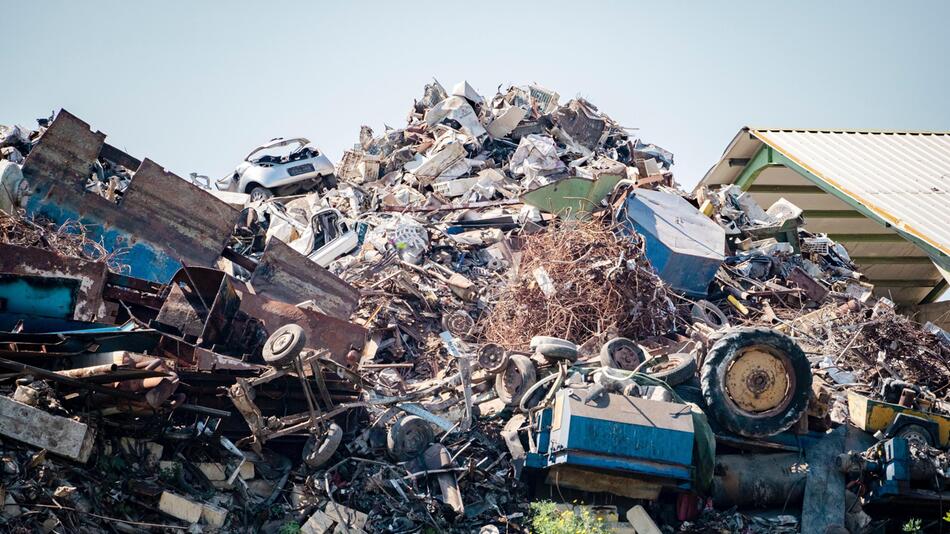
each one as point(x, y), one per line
point(760, 381)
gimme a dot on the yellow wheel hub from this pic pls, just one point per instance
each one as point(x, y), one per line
point(757, 381)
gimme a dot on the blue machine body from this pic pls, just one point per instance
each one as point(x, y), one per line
point(620, 434)
point(683, 245)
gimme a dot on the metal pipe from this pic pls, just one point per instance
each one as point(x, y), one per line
point(86, 372)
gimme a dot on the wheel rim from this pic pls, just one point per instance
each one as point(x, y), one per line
point(915, 433)
point(513, 381)
point(491, 357)
point(282, 342)
point(760, 381)
point(627, 358)
point(412, 437)
point(459, 323)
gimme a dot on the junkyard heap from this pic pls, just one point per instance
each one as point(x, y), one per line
point(508, 300)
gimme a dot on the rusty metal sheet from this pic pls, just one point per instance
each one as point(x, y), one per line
point(285, 274)
point(89, 276)
point(65, 153)
point(322, 331)
point(113, 154)
point(226, 296)
point(161, 220)
point(809, 285)
point(190, 221)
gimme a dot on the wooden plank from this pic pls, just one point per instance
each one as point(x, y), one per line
point(58, 435)
point(583, 480)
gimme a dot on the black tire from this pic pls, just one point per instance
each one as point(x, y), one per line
point(914, 432)
point(512, 383)
point(557, 352)
point(260, 194)
point(548, 340)
point(677, 370)
point(778, 348)
point(709, 314)
point(315, 456)
point(408, 437)
point(284, 345)
point(622, 353)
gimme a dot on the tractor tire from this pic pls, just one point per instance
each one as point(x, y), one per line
point(512, 383)
point(622, 353)
point(677, 370)
point(756, 382)
point(284, 345)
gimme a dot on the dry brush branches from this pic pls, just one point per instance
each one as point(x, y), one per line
point(601, 282)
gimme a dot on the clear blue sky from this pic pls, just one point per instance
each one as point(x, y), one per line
point(196, 85)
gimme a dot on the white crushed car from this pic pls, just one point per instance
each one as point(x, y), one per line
point(280, 167)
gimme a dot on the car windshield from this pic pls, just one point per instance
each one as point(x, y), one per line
point(282, 152)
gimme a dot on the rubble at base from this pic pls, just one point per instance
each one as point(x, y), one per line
point(506, 301)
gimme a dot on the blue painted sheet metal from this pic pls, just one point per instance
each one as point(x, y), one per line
point(161, 219)
point(613, 463)
point(623, 427)
point(36, 295)
point(41, 283)
point(683, 245)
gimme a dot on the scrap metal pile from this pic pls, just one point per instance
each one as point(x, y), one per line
point(506, 300)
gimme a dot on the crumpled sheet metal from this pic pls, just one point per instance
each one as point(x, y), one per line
point(161, 221)
point(87, 278)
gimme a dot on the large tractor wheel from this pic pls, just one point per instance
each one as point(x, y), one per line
point(756, 382)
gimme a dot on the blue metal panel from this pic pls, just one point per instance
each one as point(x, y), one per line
point(683, 245)
point(38, 296)
point(544, 433)
point(626, 440)
point(144, 259)
point(612, 463)
point(623, 427)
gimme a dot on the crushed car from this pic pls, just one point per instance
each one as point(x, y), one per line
point(280, 167)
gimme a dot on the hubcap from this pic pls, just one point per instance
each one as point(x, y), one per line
point(759, 381)
point(282, 342)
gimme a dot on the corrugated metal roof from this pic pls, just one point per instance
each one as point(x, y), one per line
point(900, 180)
point(903, 177)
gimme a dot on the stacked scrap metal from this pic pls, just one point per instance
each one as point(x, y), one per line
point(505, 301)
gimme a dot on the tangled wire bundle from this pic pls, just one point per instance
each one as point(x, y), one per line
point(601, 282)
point(66, 240)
